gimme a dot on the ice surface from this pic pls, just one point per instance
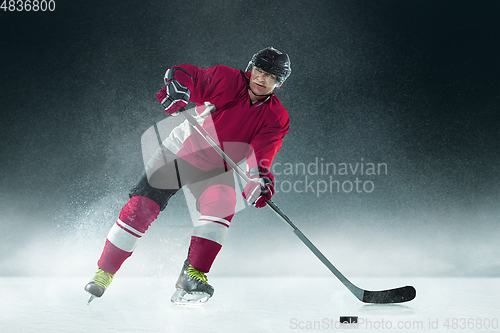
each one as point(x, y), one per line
point(245, 305)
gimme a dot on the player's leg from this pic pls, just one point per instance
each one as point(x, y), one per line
point(135, 217)
point(217, 206)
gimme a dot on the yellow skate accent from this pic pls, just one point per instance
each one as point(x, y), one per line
point(102, 278)
point(196, 274)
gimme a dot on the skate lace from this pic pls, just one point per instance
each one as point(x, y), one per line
point(195, 274)
point(102, 278)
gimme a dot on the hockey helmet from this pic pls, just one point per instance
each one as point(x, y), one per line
point(272, 61)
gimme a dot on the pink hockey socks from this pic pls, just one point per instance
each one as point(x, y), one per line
point(135, 218)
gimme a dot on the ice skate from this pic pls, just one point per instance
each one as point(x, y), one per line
point(97, 286)
point(192, 287)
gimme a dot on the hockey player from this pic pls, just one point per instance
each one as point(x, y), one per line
point(238, 108)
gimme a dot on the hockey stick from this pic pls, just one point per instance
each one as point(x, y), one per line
point(397, 295)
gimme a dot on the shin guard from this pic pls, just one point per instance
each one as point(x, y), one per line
point(135, 218)
point(217, 206)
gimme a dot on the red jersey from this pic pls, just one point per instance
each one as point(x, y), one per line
point(244, 130)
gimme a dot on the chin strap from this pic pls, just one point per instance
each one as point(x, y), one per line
point(248, 85)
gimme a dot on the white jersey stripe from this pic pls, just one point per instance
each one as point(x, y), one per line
point(175, 141)
point(177, 137)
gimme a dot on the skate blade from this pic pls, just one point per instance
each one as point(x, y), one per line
point(91, 298)
point(181, 297)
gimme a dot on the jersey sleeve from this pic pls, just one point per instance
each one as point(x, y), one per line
point(205, 84)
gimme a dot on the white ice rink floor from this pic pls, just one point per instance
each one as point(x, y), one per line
point(248, 305)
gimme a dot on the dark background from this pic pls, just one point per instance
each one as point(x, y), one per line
point(413, 84)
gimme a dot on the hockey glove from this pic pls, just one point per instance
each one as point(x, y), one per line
point(173, 96)
point(261, 188)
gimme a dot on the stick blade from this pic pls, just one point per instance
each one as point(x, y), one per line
point(398, 295)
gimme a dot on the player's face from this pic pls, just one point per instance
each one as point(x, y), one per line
point(261, 82)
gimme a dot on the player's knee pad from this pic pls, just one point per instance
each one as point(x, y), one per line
point(218, 201)
point(135, 218)
point(217, 205)
point(139, 212)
